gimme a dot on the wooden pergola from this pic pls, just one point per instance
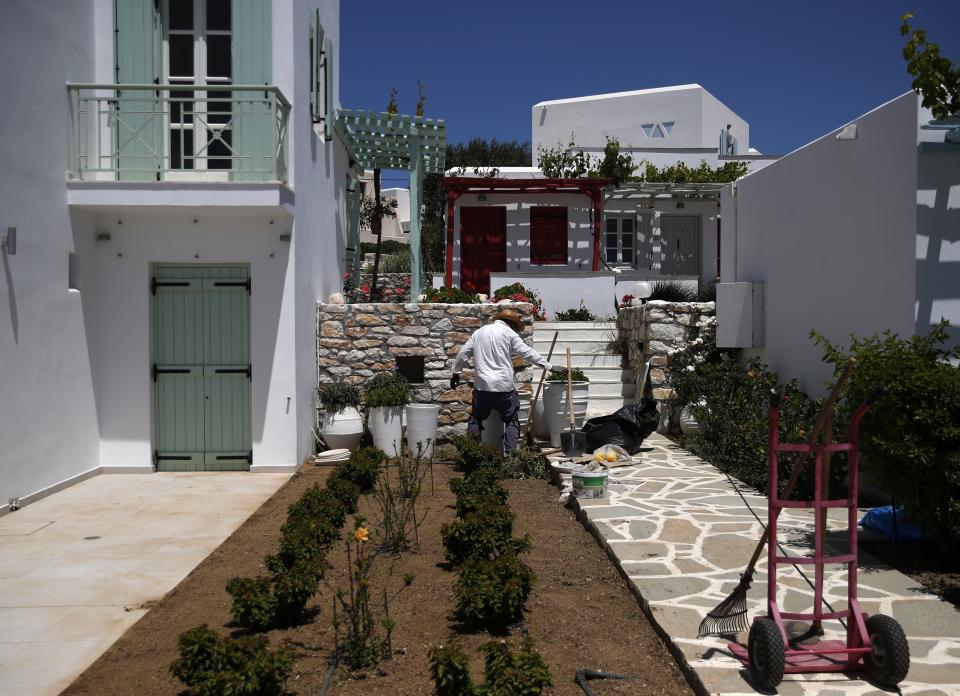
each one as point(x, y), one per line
point(392, 141)
point(457, 186)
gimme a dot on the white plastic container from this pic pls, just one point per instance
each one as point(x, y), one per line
point(343, 429)
point(493, 431)
point(422, 427)
point(541, 429)
point(385, 426)
point(555, 407)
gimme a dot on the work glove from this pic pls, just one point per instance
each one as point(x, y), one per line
point(558, 370)
point(454, 380)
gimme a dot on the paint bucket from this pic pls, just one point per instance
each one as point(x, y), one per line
point(590, 484)
point(422, 427)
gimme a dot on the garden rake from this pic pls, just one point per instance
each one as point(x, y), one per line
point(730, 616)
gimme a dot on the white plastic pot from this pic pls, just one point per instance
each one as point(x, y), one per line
point(385, 426)
point(493, 431)
point(541, 429)
point(555, 407)
point(343, 429)
point(688, 424)
point(422, 427)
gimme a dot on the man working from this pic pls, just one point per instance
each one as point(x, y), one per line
point(492, 348)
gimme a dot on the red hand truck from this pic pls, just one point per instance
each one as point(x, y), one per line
point(875, 644)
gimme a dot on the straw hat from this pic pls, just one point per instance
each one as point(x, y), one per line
point(512, 317)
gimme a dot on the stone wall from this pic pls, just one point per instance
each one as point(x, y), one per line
point(650, 331)
point(356, 341)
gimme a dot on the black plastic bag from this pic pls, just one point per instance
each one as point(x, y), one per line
point(627, 427)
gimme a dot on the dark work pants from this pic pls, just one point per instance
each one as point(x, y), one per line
point(507, 404)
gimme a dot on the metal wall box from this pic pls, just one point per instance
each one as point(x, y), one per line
point(740, 315)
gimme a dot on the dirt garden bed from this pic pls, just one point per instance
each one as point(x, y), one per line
point(580, 613)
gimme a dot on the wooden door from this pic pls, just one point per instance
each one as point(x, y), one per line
point(201, 370)
point(483, 246)
point(680, 245)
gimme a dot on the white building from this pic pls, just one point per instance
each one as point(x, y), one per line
point(165, 242)
point(647, 232)
point(394, 229)
point(857, 232)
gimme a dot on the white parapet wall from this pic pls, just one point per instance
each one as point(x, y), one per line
point(566, 290)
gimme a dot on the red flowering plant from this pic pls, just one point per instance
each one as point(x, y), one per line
point(517, 293)
point(626, 300)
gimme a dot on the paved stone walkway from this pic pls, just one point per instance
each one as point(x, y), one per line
point(680, 532)
point(83, 565)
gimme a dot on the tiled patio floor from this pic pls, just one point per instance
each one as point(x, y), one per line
point(82, 566)
point(681, 534)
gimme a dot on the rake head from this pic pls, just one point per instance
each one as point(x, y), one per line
point(730, 616)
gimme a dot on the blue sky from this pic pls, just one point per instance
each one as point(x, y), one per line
point(793, 70)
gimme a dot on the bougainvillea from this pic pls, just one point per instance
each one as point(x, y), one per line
point(517, 293)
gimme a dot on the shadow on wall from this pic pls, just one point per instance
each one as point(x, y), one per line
point(11, 299)
point(938, 241)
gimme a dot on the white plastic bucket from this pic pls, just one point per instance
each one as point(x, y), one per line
point(590, 484)
point(422, 427)
point(555, 407)
point(385, 426)
point(541, 428)
point(493, 431)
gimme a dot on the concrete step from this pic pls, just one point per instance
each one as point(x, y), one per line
point(551, 326)
point(576, 334)
point(581, 346)
point(591, 360)
point(605, 405)
point(610, 388)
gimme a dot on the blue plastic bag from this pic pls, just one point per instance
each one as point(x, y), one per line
point(880, 519)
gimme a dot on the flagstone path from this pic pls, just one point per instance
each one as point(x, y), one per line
point(681, 534)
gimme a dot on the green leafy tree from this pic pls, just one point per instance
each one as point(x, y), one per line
point(935, 78)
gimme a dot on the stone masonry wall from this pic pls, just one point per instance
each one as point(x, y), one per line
point(650, 331)
point(356, 341)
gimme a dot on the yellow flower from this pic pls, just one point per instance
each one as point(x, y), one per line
point(362, 534)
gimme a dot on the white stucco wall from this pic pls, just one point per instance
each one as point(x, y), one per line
point(938, 230)
point(830, 231)
point(566, 291)
point(48, 417)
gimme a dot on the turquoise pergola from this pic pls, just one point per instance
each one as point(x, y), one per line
point(391, 141)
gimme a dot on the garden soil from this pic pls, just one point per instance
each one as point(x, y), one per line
point(579, 615)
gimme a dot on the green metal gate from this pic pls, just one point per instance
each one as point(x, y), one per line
point(201, 368)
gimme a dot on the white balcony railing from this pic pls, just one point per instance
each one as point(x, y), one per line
point(133, 132)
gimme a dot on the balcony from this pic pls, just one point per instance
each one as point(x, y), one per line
point(178, 133)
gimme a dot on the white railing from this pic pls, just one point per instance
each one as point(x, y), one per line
point(145, 132)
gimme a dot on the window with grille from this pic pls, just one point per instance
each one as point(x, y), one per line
point(620, 242)
point(548, 235)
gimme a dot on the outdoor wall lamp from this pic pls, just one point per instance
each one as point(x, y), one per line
point(680, 205)
point(8, 241)
point(482, 197)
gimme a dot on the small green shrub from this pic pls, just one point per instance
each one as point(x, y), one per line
point(708, 293)
point(245, 666)
point(512, 674)
point(387, 246)
point(449, 296)
point(472, 454)
point(396, 262)
point(362, 468)
point(910, 439)
point(576, 374)
point(346, 492)
point(387, 389)
point(450, 671)
point(293, 588)
point(254, 606)
point(481, 533)
point(524, 673)
point(672, 291)
point(336, 397)
point(491, 593)
point(525, 463)
point(579, 314)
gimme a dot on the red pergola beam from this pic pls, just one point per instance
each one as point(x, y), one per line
point(460, 185)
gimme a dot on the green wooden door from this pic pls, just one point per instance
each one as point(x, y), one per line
point(201, 372)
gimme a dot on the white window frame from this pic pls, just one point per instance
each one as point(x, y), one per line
point(619, 262)
point(195, 83)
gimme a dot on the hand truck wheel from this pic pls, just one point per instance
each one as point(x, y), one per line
point(766, 654)
point(888, 662)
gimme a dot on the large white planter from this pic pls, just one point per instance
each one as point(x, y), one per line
point(541, 428)
point(492, 434)
point(688, 424)
point(555, 407)
point(343, 429)
point(422, 427)
point(385, 426)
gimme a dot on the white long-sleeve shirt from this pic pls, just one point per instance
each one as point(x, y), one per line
point(492, 348)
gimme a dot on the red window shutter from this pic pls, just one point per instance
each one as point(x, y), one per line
point(548, 234)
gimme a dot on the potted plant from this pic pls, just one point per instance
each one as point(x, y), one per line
point(385, 396)
point(342, 425)
point(555, 402)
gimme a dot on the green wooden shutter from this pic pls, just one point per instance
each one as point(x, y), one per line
point(316, 67)
point(138, 131)
point(254, 138)
point(329, 108)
